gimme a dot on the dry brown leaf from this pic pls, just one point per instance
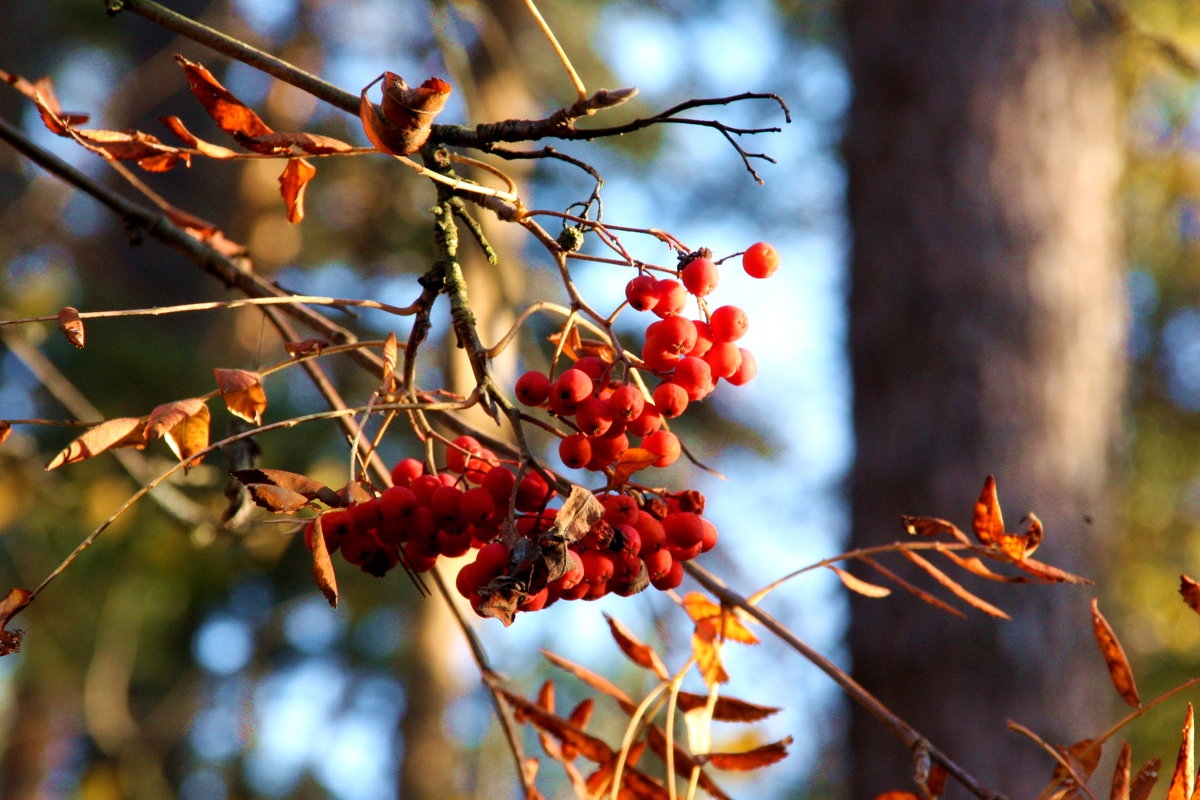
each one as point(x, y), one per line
point(110, 434)
point(641, 654)
point(353, 493)
point(582, 713)
point(300, 484)
point(1083, 759)
point(588, 746)
point(390, 359)
point(243, 393)
point(14, 601)
point(1120, 781)
point(322, 564)
point(230, 113)
point(1143, 782)
point(1185, 763)
point(954, 586)
point(932, 526)
point(987, 521)
point(578, 512)
point(859, 585)
point(312, 143)
point(151, 154)
point(751, 759)
point(5, 430)
point(175, 124)
point(403, 122)
point(727, 709)
point(915, 591)
point(305, 347)
point(975, 566)
point(630, 461)
point(1191, 592)
point(594, 680)
point(1047, 573)
point(184, 424)
point(292, 184)
point(276, 499)
point(41, 92)
point(1114, 657)
point(71, 325)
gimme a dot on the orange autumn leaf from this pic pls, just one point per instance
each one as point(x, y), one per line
point(184, 424)
point(1185, 764)
point(292, 184)
point(630, 461)
point(1120, 781)
point(960, 591)
point(581, 714)
point(14, 601)
point(110, 434)
point(1143, 782)
point(592, 679)
point(727, 709)
point(988, 522)
point(1047, 573)
point(243, 393)
point(639, 653)
point(588, 746)
point(176, 126)
point(41, 92)
point(310, 488)
point(322, 564)
point(705, 611)
point(305, 347)
point(1114, 657)
point(230, 113)
point(750, 759)
point(1191, 592)
point(1018, 546)
point(276, 499)
point(402, 124)
point(858, 584)
point(71, 325)
point(931, 526)
point(5, 430)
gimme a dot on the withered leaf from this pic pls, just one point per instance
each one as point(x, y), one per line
point(322, 564)
point(1083, 759)
point(582, 713)
point(988, 522)
point(71, 325)
point(954, 586)
point(14, 601)
point(1143, 782)
point(147, 150)
point(276, 499)
point(931, 526)
point(588, 746)
point(750, 759)
point(593, 679)
point(390, 359)
point(639, 653)
point(1185, 763)
point(858, 584)
point(184, 424)
point(230, 113)
point(705, 611)
point(578, 512)
point(176, 126)
point(706, 647)
point(5, 430)
point(312, 143)
point(1114, 657)
point(353, 493)
point(113, 433)
point(1191, 592)
point(293, 182)
point(1047, 573)
point(305, 347)
point(975, 566)
point(403, 122)
point(915, 591)
point(631, 460)
point(41, 92)
point(501, 605)
point(1120, 781)
point(310, 488)
point(243, 393)
point(727, 709)
point(1018, 546)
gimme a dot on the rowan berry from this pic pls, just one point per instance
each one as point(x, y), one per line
point(625, 540)
point(535, 602)
point(704, 340)
point(423, 487)
point(728, 324)
point(694, 376)
point(651, 532)
point(724, 359)
point(594, 417)
point(397, 504)
point(665, 445)
point(393, 533)
point(620, 509)
point(477, 505)
point(573, 574)
point(533, 388)
point(657, 357)
point(671, 580)
point(676, 334)
point(597, 566)
point(710, 537)
point(626, 568)
point(658, 564)
point(479, 465)
point(499, 483)
point(684, 529)
point(592, 366)
point(646, 423)
point(642, 292)
point(445, 502)
point(365, 515)
point(533, 492)
point(492, 559)
point(573, 386)
point(605, 450)
point(626, 402)
point(670, 399)
point(575, 451)
point(746, 370)
point(453, 545)
point(406, 471)
point(460, 450)
point(672, 298)
point(760, 260)
point(700, 276)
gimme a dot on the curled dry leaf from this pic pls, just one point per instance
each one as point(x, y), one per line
point(1018, 546)
point(243, 393)
point(184, 424)
point(322, 564)
point(71, 325)
point(176, 126)
point(276, 499)
point(631, 460)
point(1120, 781)
point(931, 526)
point(310, 488)
point(1114, 656)
point(14, 601)
point(727, 709)
point(578, 512)
point(639, 653)
point(402, 124)
point(1187, 587)
point(110, 434)
point(859, 585)
point(1143, 782)
point(305, 348)
point(751, 759)
point(41, 92)
point(1185, 764)
point(292, 183)
point(987, 521)
point(230, 113)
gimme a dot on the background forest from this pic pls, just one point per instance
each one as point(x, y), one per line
point(987, 216)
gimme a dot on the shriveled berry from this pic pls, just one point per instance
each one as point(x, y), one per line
point(728, 324)
point(642, 292)
point(626, 402)
point(746, 370)
point(672, 298)
point(575, 451)
point(700, 276)
point(533, 388)
point(760, 260)
point(665, 445)
point(670, 399)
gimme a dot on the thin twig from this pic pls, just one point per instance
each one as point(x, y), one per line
point(558, 50)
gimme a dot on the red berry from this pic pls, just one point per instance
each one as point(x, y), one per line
point(533, 492)
point(665, 445)
point(700, 276)
point(760, 260)
point(499, 482)
point(606, 449)
point(573, 386)
point(460, 450)
point(594, 416)
point(651, 531)
point(453, 545)
point(479, 465)
point(592, 366)
point(597, 566)
point(535, 602)
point(397, 504)
point(684, 530)
point(670, 399)
point(445, 502)
point(620, 509)
point(365, 515)
point(658, 564)
point(642, 292)
point(710, 537)
point(468, 579)
point(657, 357)
point(626, 402)
point(407, 471)
point(695, 376)
point(704, 340)
point(672, 298)
point(477, 505)
point(746, 370)
point(646, 423)
point(575, 451)
point(626, 540)
point(724, 359)
point(676, 334)
point(424, 486)
point(671, 580)
point(728, 324)
point(572, 576)
point(492, 559)
point(533, 388)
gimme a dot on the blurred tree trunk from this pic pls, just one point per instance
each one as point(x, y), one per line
point(986, 336)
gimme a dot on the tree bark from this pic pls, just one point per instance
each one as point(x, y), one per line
point(986, 336)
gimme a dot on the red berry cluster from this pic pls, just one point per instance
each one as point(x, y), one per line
point(464, 507)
